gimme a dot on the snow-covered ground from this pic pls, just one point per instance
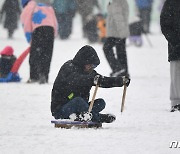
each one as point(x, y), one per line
point(145, 127)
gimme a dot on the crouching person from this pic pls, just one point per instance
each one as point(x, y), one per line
point(7, 60)
point(71, 89)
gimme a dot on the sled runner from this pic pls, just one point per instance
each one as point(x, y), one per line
point(77, 124)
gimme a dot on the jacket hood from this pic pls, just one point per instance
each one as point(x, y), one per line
point(86, 55)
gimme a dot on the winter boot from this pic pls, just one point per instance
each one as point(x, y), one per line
point(31, 81)
point(175, 108)
point(107, 118)
point(85, 116)
point(42, 79)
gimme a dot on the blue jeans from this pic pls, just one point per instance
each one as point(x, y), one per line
point(79, 105)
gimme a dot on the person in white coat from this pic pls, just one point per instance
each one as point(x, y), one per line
point(117, 32)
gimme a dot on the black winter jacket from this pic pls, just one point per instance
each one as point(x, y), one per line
point(72, 81)
point(6, 63)
point(170, 26)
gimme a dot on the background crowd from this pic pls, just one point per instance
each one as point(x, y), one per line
point(112, 28)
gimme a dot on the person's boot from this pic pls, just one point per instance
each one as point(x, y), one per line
point(83, 117)
point(107, 118)
point(175, 108)
point(32, 81)
point(42, 79)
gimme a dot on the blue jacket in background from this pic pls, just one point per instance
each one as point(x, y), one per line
point(144, 3)
point(64, 6)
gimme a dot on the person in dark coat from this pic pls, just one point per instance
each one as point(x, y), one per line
point(145, 10)
point(91, 29)
point(170, 26)
point(71, 89)
point(85, 9)
point(7, 60)
point(117, 32)
point(11, 11)
point(65, 12)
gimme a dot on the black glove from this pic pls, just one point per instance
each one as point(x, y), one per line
point(126, 80)
point(108, 82)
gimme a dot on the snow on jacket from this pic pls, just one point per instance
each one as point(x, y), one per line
point(117, 19)
point(144, 3)
point(35, 15)
point(170, 26)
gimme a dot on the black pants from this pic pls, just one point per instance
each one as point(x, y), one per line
point(117, 59)
point(41, 52)
point(145, 15)
point(65, 24)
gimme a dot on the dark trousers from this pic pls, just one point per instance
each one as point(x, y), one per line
point(117, 58)
point(145, 15)
point(41, 52)
point(65, 24)
point(79, 105)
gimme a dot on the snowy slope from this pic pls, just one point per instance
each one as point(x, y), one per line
point(145, 127)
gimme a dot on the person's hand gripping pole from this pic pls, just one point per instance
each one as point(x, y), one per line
point(94, 94)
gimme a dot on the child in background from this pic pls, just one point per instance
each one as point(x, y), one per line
point(6, 61)
point(101, 25)
point(40, 27)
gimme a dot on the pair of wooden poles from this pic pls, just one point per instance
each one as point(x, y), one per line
point(95, 92)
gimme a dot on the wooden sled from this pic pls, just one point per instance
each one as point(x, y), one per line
point(76, 124)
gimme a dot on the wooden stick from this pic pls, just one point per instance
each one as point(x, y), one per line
point(148, 40)
point(123, 98)
point(93, 98)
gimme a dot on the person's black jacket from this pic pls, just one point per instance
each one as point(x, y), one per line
point(6, 63)
point(170, 26)
point(72, 81)
point(11, 9)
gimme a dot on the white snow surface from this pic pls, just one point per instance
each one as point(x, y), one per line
point(145, 127)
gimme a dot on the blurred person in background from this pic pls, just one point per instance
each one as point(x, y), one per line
point(65, 12)
point(40, 27)
point(170, 26)
point(10, 11)
point(45, 1)
point(85, 9)
point(145, 9)
point(117, 32)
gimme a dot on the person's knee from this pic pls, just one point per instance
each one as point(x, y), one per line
point(79, 101)
point(101, 103)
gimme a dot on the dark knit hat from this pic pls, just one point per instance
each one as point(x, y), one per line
point(86, 55)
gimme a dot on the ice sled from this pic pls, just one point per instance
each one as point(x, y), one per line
point(77, 124)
